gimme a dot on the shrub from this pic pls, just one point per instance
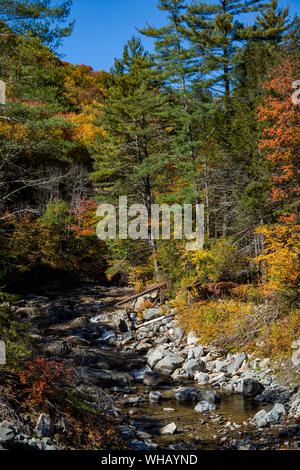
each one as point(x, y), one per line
point(44, 379)
point(13, 332)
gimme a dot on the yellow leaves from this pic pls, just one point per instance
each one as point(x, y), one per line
point(233, 324)
point(13, 130)
point(277, 337)
point(280, 258)
point(86, 131)
point(217, 321)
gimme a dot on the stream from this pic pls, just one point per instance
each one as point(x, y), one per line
point(115, 360)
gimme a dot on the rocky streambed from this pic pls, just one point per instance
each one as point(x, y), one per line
point(165, 390)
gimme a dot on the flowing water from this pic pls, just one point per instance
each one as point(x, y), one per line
point(194, 430)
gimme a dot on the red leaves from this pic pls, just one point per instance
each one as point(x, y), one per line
point(86, 219)
point(281, 135)
point(43, 378)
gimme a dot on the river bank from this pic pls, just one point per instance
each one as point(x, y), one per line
point(161, 387)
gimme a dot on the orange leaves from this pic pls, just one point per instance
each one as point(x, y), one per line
point(43, 378)
point(281, 135)
point(85, 218)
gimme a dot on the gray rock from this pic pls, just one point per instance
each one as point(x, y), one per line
point(296, 358)
point(180, 375)
point(7, 433)
point(210, 395)
point(139, 445)
point(237, 364)
point(238, 387)
point(152, 313)
point(260, 419)
point(44, 427)
point(275, 395)
point(43, 444)
point(155, 356)
point(274, 415)
point(154, 379)
point(126, 432)
point(192, 338)
point(194, 365)
point(92, 375)
point(169, 429)
point(169, 364)
point(294, 406)
point(198, 351)
point(193, 394)
point(187, 394)
point(252, 388)
point(155, 396)
point(204, 406)
point(135, 400)
point(263, 418)
point(221, 366)
point(202, 378)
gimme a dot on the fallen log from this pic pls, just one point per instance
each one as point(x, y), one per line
point(136, 296)
point(163, 317)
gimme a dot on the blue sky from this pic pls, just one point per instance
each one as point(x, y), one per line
point(103, 27)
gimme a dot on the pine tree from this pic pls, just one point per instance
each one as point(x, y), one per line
point(37, 19)
point(272, 22)
point(128, 156)
point(178, 65)
point(216, 33)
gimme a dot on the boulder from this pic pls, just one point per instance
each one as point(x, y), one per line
point(252, 388)
point(7, 433)
point(93, 375)
point(221, 366)
point(154, 379)
point(169, 364)
point(192, 338)
point(187, 394)
point(44, 427)
point(194, 365)
point(155, 396)
point(260, 419)
point(155, 356)
point(210, 396)
point(274, 415)
point(263, 418)
point(169, 429)
point(135, 400)
point(202, 378)
point(296, 358)
point(193, 394)
point(204, 406)
point(152, 313)
point(237, 364)
point(180, 375)
point(198, 351)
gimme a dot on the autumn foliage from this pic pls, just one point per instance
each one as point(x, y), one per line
point(279, 259)
point(281, 133)
point(43, 379)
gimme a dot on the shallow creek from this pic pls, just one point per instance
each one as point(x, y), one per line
point(194, 430)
